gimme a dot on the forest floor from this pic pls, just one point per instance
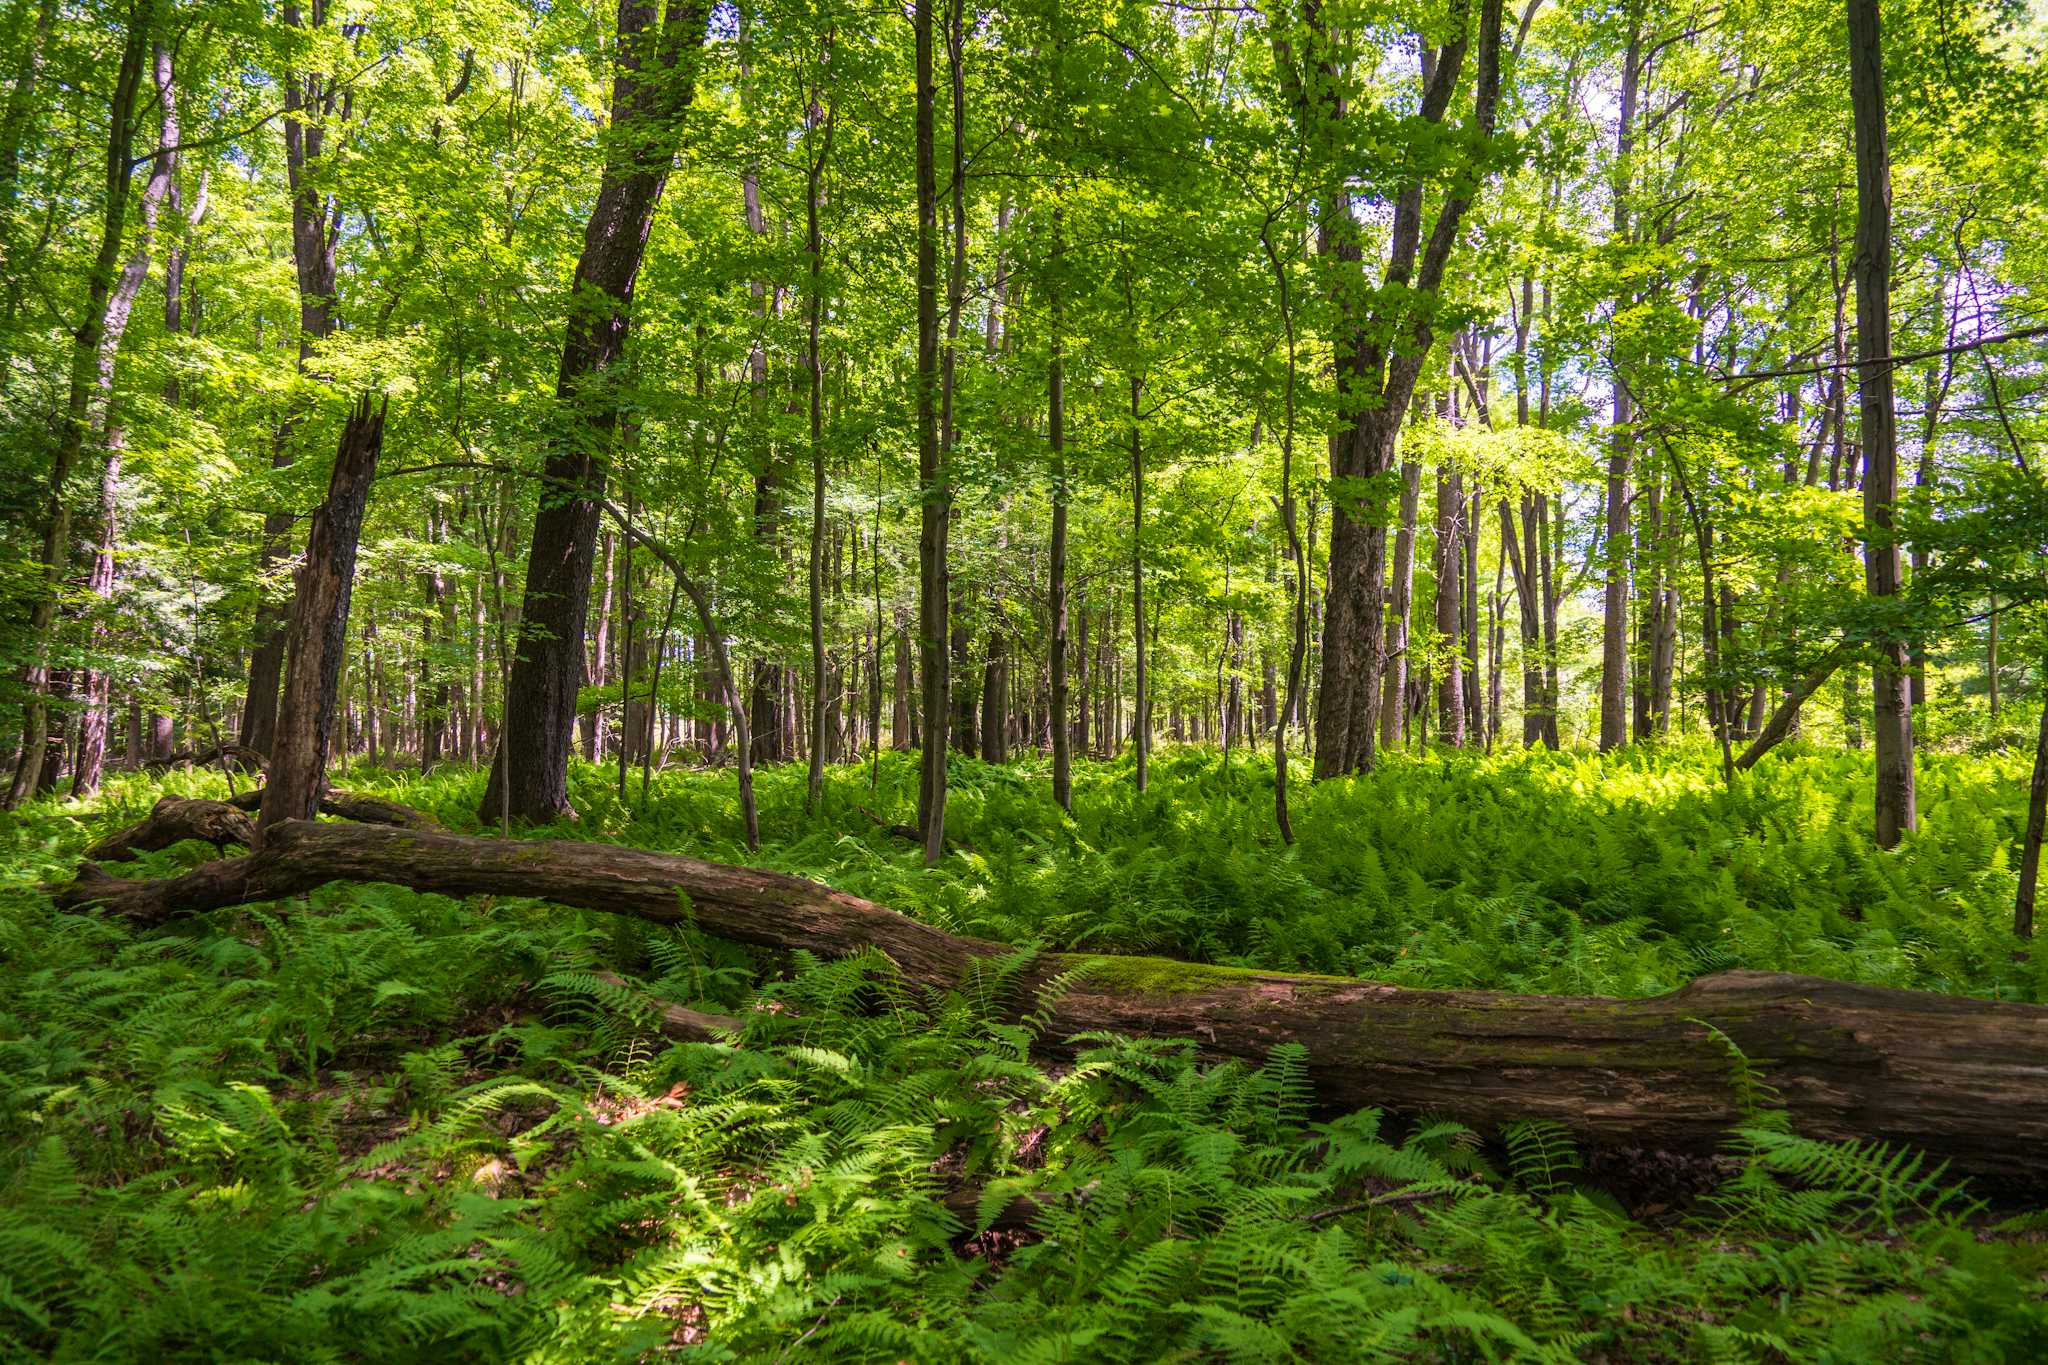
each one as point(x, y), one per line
point(377, 1125)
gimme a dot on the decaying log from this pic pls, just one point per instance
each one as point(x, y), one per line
point(241, 755)
point(174, 819)
point(1963, 1079)
point(364, 810)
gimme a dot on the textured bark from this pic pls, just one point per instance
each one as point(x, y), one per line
point(1961, 1078)
point(173, 820)
point(317, 637)
point(651, 90)
point(1892, 711)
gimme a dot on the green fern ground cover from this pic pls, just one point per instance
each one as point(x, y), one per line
point(375, 1125)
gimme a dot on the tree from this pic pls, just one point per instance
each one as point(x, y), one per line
point(652, 89)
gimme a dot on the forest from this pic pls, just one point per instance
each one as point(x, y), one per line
point(1023, 680)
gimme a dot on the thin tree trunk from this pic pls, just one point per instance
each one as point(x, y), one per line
point(1892, 718)
point(1614, 690)
point(814, 316)
point(84, 404)
point(934, 487)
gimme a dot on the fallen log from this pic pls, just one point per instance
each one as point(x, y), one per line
point(241, 755)
point(364, 810)
point(1963, 1079)
point(172, 820)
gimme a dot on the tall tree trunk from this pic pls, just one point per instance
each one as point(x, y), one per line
point(318, 635)
point(92, 730)
point(934, 486)
point(1892, 719)
point(84, 403)
point(1056, 440)
point(1614, 689)
point(1141, 725)
point(540, 710)
point(1378, 359)
point(310, 99)
point(818, 124)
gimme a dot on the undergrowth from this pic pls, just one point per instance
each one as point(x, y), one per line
point(370, 1124)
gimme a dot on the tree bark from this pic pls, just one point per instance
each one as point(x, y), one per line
point(540, 710)
point(1960, 1078)
point(318, 634)
point(1394, 698)
point(1892, 718)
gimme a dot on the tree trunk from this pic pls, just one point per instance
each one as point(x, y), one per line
point(1614, 690)
point(1378, 361)
point(1394, 700)
point(318, 634)
point(84, 404)
point(1056, 441)
point(2030, 850)
point(92, 733)
point(1892, 718)
point(814, 317)
point(935, 492)
point(310, 99)
point(1959, 1078)
point(1141, 724)
point(646, 116)
point(1449, 565)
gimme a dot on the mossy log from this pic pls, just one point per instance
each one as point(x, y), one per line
point(1961, 1078)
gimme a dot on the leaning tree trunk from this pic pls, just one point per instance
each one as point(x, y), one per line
point(317, 636)
point(1964, 1079)
point(540, 704)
